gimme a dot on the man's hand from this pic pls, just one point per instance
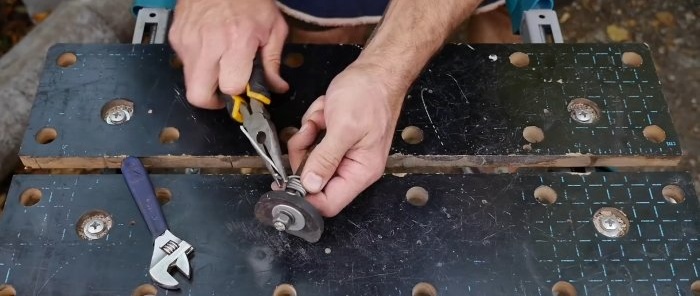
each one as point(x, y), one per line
point(217, 41)
point(362, 104)
point(359, 113)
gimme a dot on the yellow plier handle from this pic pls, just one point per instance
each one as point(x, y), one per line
point(254, 90)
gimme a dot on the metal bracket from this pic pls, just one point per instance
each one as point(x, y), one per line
point(151, 23)
point(541, 26)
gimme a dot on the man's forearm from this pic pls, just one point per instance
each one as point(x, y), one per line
point(410, 33)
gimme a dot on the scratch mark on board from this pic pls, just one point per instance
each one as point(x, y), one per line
point(425, 107)
point(460, 88)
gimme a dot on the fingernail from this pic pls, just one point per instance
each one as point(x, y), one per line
point(313, 182)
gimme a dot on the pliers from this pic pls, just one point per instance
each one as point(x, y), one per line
point(249, 109)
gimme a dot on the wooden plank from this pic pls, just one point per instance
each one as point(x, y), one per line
point(477, 234)
point(471, 104)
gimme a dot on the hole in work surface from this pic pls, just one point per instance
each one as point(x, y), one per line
point(284, 290)
point(117, 111)
point(7, 290)
point(30, 197)
point(417, 196)
point(533, 134)
point(46, 135)
point(424, 289)
point(545, 195)
point(66, 59)
point(563, 288)
point(583, 110)
point(695, 288)
point(293, 60)
point(412, 135)
point(654, 134)
point(673, 194)
point(632, 59)
point(169, 135)
point(519, 59)
point(93, 225)
point(145, 290)
point(163, 195)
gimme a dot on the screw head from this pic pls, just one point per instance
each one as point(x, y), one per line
point(95, 226)
point(118, 114)
point(584, 115)
point(583, 110)
point(610, 223)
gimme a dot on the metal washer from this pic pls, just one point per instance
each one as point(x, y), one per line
point(298, 220)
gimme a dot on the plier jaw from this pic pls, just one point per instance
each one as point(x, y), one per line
point(261, 133)
point(249, 110)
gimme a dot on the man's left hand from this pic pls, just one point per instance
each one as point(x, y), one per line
point(359, 113)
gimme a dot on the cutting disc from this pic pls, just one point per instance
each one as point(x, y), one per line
point(313, 222)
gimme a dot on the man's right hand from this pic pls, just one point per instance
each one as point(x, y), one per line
point(217, 41)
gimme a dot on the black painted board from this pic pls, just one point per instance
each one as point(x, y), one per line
point(471, 103)
point(477, 235)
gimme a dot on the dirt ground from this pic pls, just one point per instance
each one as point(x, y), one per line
point(670, 28)
point(672, 31)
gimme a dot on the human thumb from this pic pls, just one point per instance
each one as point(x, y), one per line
point(324, 160)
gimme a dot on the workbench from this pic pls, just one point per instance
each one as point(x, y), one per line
point(558, 118)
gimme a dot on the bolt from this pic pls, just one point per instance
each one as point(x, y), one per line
point(95, 227)
point(281, 221)
point(610, 223)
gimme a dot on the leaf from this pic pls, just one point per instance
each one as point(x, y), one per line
point(618, 34)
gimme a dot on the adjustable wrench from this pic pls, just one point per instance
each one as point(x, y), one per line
point(168, 250)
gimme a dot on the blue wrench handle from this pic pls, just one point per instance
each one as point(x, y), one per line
point(141, 189)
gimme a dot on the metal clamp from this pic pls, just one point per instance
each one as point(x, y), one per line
point(541, 26)
point(151, 23)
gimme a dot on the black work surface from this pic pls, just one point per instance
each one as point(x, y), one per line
point(477, 235)
point(470, 102)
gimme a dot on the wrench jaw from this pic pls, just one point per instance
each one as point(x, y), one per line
point(169, 252)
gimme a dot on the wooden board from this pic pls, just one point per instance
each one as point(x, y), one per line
point(471, 104)
point(476, 235)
